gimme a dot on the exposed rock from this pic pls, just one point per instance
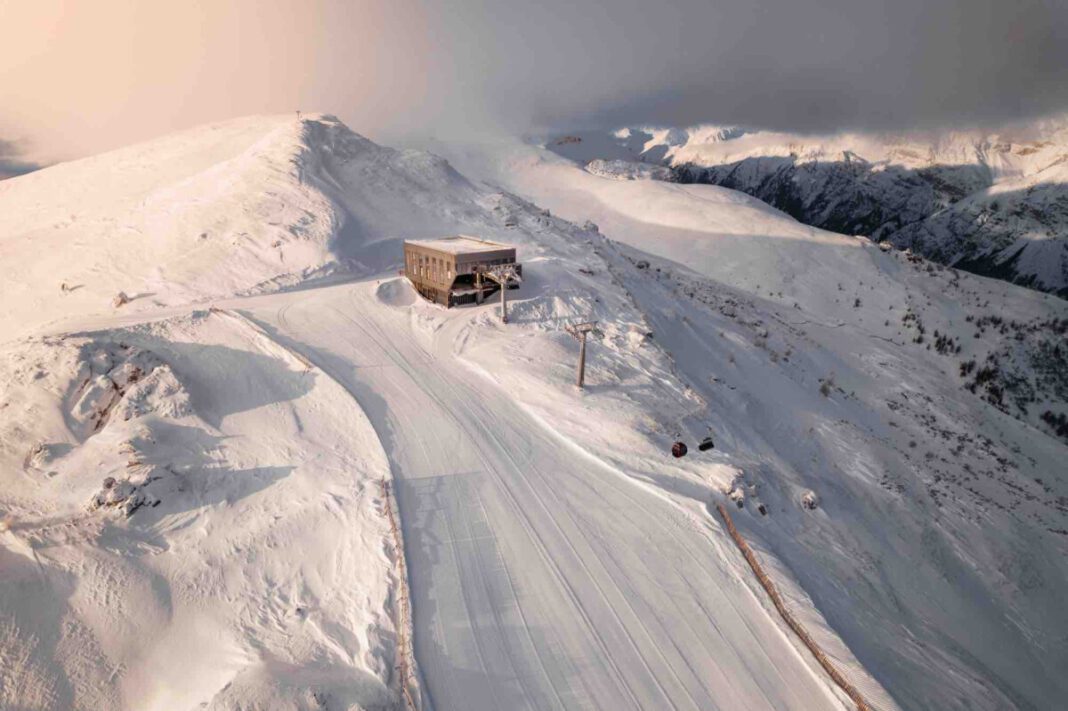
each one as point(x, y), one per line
point(124, 382)
point(129, 494)
point(41, 454)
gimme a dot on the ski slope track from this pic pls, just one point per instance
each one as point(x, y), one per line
point(524, 558)
point(191, 509)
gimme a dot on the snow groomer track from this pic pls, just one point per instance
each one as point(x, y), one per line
point(539, 578)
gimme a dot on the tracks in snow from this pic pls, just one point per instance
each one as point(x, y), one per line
point(539, 579)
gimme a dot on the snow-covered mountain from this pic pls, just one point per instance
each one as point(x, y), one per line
point(762, 315)
point(993, 204)
point(236, 207)
point(193, 482)
point(193, 505)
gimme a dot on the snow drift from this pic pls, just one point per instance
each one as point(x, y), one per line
point(197, 522)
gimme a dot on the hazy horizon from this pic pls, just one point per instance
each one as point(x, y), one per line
point(78, 79)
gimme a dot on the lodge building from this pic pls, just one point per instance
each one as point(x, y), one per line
point(449, 271)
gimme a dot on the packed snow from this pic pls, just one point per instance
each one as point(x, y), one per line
point(193, 509)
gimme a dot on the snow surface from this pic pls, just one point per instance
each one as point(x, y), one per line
point(940, 527)
point(558, 557)
point(995, 203)
point(258, 567)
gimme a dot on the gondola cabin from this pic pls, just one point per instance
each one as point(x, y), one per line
point(449, 270)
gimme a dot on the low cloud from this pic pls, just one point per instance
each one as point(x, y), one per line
point(84, 77)
point(799, 65)
point(11, 163)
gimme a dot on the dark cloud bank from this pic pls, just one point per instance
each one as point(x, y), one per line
point(802, 65)
point(79, 78)
point(11, 162)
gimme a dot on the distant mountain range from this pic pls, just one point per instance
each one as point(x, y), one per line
point(993, 204)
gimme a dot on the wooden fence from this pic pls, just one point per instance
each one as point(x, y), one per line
point(791, 621)
point(404, 623)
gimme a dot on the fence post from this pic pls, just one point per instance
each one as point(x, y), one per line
point(792, 623)
point(405, 621)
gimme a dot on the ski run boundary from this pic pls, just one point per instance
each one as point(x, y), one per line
point(787, 616)
point(404, 623)
point(405, 655)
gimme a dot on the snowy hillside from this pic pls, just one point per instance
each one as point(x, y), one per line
point(193, 504)
point(899, 391)
point(190, 516)
point(195, 509)
point(994, 204)
point(243, 206)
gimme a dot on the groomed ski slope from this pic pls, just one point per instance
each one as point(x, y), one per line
point(540, 578)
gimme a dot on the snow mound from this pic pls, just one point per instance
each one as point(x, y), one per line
point(396, 292)
point(249, 205)
point(196, 508)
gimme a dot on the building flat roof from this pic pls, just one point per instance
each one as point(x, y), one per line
point(460, 244)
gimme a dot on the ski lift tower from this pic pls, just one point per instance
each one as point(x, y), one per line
point(579, 331)
point(505, 275)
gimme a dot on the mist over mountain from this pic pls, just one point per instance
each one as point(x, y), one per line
point(11, 161)
point(77, 79)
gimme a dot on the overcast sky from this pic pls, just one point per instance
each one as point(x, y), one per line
point(80, 77)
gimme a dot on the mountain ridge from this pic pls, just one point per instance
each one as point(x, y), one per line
point(993, 203)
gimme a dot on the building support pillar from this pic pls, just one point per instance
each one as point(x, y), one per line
point(504, 302)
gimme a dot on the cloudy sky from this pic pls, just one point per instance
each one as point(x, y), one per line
point(78, 77)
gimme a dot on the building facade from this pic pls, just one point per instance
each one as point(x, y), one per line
point(448, 271)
